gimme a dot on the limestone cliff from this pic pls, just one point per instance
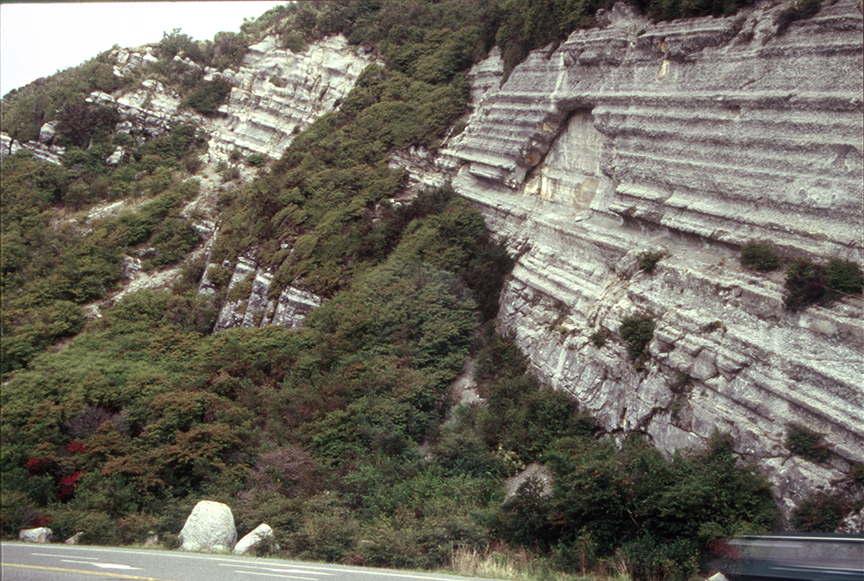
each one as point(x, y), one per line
point(690, 137)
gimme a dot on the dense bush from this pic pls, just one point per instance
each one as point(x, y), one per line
point(844, 276)
point(636, 332)
point(657, 512)
point(207, 96)
point(806, 443)
point(805, 284)
point(759, 256)
point(820, 514)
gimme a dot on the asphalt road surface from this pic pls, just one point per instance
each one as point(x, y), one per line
point(34, 562)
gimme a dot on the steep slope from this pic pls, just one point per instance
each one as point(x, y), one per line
point(689, 137)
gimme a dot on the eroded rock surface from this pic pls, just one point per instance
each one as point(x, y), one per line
point(690, 137)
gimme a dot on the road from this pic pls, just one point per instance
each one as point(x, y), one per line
point(34, 562)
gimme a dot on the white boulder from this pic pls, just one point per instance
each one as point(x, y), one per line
point(259, 538)
point(210, 527)
point(40, 535)
point(47, 133)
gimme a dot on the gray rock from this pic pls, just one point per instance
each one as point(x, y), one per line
point(47, 133)
point(260, 538)
point(210, 527)
point(74, 539)
point(38, 535)
point(118, 156)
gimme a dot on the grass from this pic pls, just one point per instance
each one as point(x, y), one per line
point(503, 562)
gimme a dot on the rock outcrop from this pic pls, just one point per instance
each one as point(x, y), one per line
point(276, 93)
point(257, 308)
point(210, 527)
point(690, 137)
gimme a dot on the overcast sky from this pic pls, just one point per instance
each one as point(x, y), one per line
point(37, 40)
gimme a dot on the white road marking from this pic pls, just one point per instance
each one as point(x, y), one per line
point(100, 565)
point(113, 566)
point(274, 575)
point(271, 568)
point(60, 556)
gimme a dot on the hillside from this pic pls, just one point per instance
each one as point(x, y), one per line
point(355, 268)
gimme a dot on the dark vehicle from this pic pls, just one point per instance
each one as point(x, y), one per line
point(794, 557)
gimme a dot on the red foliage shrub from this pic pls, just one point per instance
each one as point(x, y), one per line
point(39, 466)
point(67, 486)
point(76, 447)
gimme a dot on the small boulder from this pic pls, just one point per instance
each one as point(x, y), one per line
point(47, 133)
point(118, 156)
point(40, 535)
point(75, 539)
point(210, 527)
point(260, 538)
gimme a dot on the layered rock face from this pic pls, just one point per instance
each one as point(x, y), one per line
point(276, 92)
point(690, 137)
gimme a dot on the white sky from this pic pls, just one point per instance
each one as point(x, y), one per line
point(37, 40)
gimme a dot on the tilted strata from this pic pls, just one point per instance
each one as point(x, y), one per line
point(691, 137)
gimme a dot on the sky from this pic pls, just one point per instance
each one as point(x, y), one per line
point(37, 40)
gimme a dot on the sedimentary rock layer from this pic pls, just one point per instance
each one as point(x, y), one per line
point(690, 137)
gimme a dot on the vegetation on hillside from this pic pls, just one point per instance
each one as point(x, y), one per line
point(334, 434)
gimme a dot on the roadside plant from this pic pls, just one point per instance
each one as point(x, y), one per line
point(821, 514)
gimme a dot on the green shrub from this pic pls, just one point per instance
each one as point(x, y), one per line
point(806, 443)
point(805, 284)
point(636, 332)
point(599, 337)
point(256, 160)
point(857, 472)
point(295, 42)
point(174, 43)
point(821, 514)
point(759, 256)
point(647, 260)
point(230, 173)
point(844, 276)
point(207, 96)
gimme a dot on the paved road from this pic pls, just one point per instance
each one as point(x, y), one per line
point(33, 562)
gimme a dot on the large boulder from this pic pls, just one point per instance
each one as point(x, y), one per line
point(210, 527)
point(40, 535)
point(260, 538)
